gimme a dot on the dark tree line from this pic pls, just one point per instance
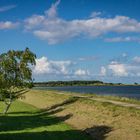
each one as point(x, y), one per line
point(68, 83)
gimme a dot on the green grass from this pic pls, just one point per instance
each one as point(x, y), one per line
point(25, 122)
point(102, 120)
point(108, 97)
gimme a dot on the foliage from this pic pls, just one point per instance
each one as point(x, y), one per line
point(15, 74)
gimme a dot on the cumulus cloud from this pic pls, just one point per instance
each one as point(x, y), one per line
point(8, 25)
point(118, 69)
point(88, 58)
point(136, 59)
point(54, 29)
point(7, 8)
point(52, 12)
point(45, 66)
point(129, 69)
point(95, 14)
point(103, 71)
point(81, 72)
point(123, 39)
point(34, 22)
point(68, 69)
point(4, 25)
point(51, 69)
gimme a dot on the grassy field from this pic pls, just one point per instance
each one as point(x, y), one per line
point(108, 97)
point(100, 120)
point(26, 122)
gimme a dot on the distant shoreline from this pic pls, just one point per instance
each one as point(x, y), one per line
point(79, 83)
point(119, 91)
point(85, 85)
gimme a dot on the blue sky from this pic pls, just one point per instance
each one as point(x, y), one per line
point(76, 39)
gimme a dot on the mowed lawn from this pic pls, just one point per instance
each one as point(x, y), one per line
point(26, 122)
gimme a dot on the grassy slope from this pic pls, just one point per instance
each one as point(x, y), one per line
point(102, 120)
point(25, 122)
point(108, 97)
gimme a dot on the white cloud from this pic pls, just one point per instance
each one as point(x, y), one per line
point(52, 12)
point(61, 66)
point(34, 22)
point(136, 59)
point(45, 66)
point(95, 14)
point(88, 58)
point(7, 8)
point(4, 25)
point(81, 72)
point(103, 71)
point(42, 66)
point(66, 70)
point(58, 70)
point(8, 25)
point(123, 39)
point(55, 30)
point(118, 69)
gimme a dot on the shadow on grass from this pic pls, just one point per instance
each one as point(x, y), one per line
point(49, 111)
point(27, 127)
point(66, 102)
point(43, 111)
point(98, 132)
point(41, 125)
point(12, 123)
point(46, 135)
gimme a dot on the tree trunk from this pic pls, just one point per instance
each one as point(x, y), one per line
point(8, 104)
point(7, 108)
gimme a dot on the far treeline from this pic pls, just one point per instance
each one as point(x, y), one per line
point(73, 83)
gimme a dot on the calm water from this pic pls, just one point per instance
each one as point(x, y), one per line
point(124, 91)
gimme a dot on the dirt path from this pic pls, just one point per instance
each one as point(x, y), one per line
point(109, 101)
point(117, 102)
